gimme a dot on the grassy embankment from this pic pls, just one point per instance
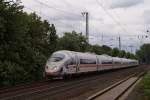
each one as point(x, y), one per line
point(145, 84)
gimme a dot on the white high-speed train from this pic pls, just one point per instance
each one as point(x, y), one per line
point(64, 63)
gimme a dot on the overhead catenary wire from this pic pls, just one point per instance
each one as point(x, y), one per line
point(117, 22)
point(80, 21)
point(60, 10)
point(40, 13)
point(116, 15)
point(53, 20)
point(114, 19)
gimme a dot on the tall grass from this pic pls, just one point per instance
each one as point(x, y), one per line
point(145, 84)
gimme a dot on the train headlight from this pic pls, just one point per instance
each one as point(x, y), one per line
point(55, 68)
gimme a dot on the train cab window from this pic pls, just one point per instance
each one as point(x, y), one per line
point(56, 57)
point(87, 61)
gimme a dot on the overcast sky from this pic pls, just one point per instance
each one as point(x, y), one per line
point(108, 19)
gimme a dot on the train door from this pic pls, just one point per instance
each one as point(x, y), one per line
point(71, 64)
point(77, 63)
point(97, 63)
point(113, 63)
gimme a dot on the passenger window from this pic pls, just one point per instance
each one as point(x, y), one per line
point(117, 62)
point(87, 61)
point(107, 62)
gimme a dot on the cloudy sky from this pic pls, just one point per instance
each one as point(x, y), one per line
point(108, 19)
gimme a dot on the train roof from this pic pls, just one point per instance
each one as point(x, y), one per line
point(103, 56)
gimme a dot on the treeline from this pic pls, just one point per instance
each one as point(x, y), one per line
point(143, 54)
point(76, 42)
point(26, 41)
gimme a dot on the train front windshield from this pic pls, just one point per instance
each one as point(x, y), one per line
point(56, 57)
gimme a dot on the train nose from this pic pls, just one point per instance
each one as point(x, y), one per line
point(52, 70)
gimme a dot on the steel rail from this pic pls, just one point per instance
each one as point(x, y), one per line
point(104, 91)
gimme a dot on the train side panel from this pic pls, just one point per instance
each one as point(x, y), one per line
point(87, 63)
point(76, 62)
point(105, 62)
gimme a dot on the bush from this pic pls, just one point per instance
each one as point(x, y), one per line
point(11, 73)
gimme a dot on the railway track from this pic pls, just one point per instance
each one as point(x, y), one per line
point(19, 87)
point(43, 87)
point(63, 89)
point(117, 90)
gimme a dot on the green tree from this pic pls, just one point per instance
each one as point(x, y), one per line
point(122, 53)
point(72, 41)
point(24, 44)
point(128, 55)
point(106, 50)
point(97, 49)
point(115, 52)
point(143, 54)
point(53, 38)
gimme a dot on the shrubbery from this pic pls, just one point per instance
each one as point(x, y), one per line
point(25, 44)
